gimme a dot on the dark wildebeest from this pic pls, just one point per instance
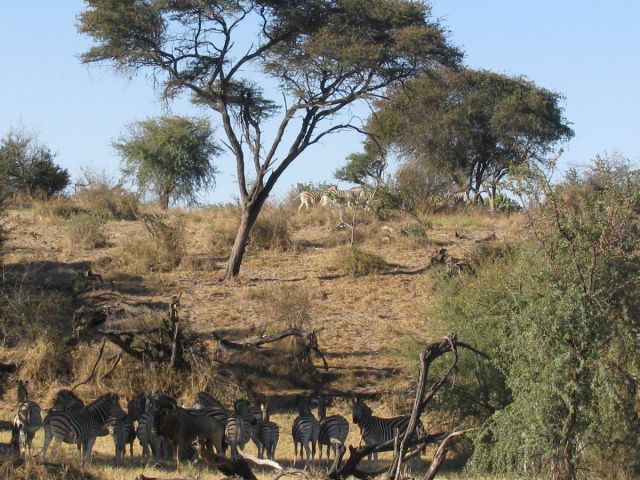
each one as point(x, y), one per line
point(182, 428)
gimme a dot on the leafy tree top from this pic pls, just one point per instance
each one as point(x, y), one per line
point(475, 121)
point(170, 156)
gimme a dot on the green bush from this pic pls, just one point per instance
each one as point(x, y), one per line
point(358, 262)
point(86, 231)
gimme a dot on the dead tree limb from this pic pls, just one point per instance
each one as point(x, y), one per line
point(95, 365)
point(448, 344)
point(441, 454)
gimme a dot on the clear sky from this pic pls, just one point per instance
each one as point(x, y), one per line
point(585, 49)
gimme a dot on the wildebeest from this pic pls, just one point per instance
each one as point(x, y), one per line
point(182, 428)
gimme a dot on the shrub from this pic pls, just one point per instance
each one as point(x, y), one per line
point(28, 167)
point(281, 307)
point(161, 248)
point(26, 314)
point(271, 232)
point(86, 231)
point(358, 262)
point(107, 199)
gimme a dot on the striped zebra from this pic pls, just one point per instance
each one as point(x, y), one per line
point(140, 409)
point(237, 428)
point(67, 401)
point(307, 199)
point(375, 430)
point(352, 196)
point(269, 434)
point(82, 426)
point(305, 431)
point(205, 404)
point(331, 427)
point(28, 419)
point(123, 432)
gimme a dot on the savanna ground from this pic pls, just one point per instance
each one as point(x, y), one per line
point(363, 320)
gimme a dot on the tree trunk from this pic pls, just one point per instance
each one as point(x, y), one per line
point(250, 213)
point(492, 198)
point(164, 201)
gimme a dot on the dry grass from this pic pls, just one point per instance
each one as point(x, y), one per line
point(358, 262)
point(86, 231)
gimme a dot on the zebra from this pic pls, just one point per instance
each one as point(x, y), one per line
point(269, 434)
point(82, 426)
point(307, 199)
point(237, 428)
point(305, 431)
point(351, 196)
point(123, 432)
point(67, 401)
point(28, 419)
point(333, 427)
point(375, 430)
point(140, 409)
point(205, 401)
point(205, 404)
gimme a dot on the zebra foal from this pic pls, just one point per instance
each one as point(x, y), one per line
point(80, 426)
point(28, 419)
point(376, 430)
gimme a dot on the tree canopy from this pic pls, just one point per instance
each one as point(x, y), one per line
point(28, 167)
point(169, 156)
point(363, 167)
point(322, 54)
point(473, 125)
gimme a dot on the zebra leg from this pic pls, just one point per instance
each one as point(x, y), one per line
point(88, 446)
point(48, 436)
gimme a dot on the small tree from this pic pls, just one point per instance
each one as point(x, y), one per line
point(169, 156)
point(28, 167)
point(361, 168)
point(323, 55)
point(474, 125)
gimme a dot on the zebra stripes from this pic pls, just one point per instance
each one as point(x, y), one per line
point(376, 430)
point(28, 419)
point(141, 409)
point(237, 429)
point(268, 435)
point(307, 199)
point(123, 432)
point(81, 426)
point(305, 431)
point(331, 427)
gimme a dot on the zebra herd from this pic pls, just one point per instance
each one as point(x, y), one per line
point(335, 198)
point(164, 429)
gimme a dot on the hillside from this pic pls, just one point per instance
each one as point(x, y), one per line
point(360, 320)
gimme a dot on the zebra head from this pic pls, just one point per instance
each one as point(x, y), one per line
point(304, 407)
point(67, 401)
point(137, 406)
point(22, 394)
point(323, 403)
point(107, 406)
point(360, 410)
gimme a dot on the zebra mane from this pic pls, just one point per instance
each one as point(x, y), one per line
point(100, 402)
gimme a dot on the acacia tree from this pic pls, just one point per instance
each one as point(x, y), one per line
point(170, 156)
point(324, 55)
point(474, 124)
point(362, 166)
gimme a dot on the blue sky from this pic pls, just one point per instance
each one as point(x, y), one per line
point(585, 49)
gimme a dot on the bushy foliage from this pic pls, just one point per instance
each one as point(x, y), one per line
point(170, 157)
point(29, 168)
point(558, 317)
point(365, 166)
point(106, 198)
point(358, 262)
